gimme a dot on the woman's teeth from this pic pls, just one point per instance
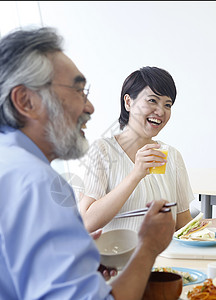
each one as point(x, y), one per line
point(154, 120)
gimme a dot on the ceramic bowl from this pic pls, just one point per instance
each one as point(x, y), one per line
point(116, 247)
point(163, 286)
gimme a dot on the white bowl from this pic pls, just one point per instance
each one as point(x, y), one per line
point(116, 247)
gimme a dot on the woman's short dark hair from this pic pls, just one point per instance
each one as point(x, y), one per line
point(159, 81)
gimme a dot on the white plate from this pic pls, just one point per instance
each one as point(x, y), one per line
point(198, 276)
point(195, 243)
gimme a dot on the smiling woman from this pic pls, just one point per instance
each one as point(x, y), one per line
point(149, 113)
point(117, 177)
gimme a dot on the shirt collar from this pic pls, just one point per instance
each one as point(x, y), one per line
point(12, 136)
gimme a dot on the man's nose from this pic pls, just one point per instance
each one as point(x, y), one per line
point(89, 108)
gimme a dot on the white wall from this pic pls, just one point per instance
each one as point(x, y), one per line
point(110, 39)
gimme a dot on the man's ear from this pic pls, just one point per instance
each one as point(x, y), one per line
point(24, 101)
point(128, 101)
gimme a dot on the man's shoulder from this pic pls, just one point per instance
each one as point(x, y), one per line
point(16, 161)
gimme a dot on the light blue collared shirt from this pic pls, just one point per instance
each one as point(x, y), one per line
point(45, 251)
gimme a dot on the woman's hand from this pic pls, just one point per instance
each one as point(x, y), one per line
point(147, 157)
point(105, 271)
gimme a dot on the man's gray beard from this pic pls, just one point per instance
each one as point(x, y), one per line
point(67, 140)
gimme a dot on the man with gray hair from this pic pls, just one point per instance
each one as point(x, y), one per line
point(45, 251)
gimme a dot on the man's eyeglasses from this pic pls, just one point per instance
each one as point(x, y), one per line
point(84, 92)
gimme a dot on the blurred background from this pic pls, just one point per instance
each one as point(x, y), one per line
point(108, 40)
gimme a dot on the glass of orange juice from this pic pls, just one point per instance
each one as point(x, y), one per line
point(161, 169)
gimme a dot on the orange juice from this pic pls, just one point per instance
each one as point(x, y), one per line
point(161, 169)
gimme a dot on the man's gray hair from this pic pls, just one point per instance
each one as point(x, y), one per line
point(24, 61)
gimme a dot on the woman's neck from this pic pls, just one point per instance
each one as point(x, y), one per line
point(131, 142)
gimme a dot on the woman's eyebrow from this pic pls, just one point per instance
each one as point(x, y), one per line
point(158, 97)
point(154, 96)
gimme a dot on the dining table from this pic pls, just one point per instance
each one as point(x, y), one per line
point(199, 265)
point(188, 257)
point(185, 257)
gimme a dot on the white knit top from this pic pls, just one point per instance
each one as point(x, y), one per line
point(107, 165)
